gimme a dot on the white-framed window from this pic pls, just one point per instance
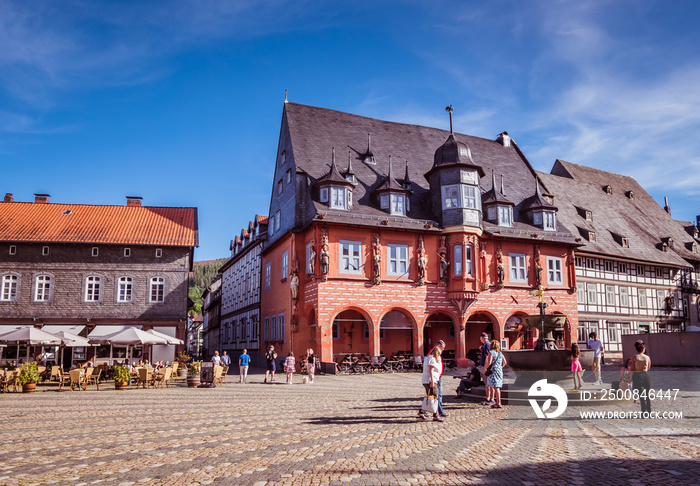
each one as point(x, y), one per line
point(398, 204)
point(608, 266)
point(323, 194)
point(13, 249)
point(398, 260)
point(279, 186)
point(642, 297)
point(468, 261)
point(518, 269)
point(268, 275)
point(612, 332)
point(289, 176)
point(505, 215)
point(592, 293)
point(127, 252)
point(159, 252)
point(624, 297)
point(285, 264)
point(157, 289)
point(458, 260)
point(350, 257)
point(384, 201)
point(125, 287)
point(42, 288)
point(10, 284)
point(44, 250)
point(554, 273)
point(549, 220)
point(93, 285)
point(95, 251)
point(610, 295)
point(338, 198)
point(308, 258)
point(622, 268)
point(450, 197)
point(469, 197)
point(278, 220)
point(580, 293)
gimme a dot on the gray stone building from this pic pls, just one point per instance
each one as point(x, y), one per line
point(96, 269)
point(636, 268)
point(240, 292)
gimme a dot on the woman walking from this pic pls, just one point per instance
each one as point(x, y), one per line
point(310, 364)
point(576, 368)
point(641, 380)
point(495, 379)
point(432, 370)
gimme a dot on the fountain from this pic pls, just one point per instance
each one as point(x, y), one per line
point(546, 360)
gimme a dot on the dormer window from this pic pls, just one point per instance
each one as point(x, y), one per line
point(323, 195)
point(591, 236)
point(338, 198)
point(607, 189)
point(545, 220)
point(351, 178)
point(460, 196)
point(398, 204)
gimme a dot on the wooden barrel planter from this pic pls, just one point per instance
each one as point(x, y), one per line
point(193, 381)
point(120, 385)
point(182, 372)
point(29, 388)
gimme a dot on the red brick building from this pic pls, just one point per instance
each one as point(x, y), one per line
point(387, 237)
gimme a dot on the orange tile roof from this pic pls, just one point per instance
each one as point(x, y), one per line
point(136, 225)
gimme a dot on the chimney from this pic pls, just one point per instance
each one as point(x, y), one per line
point(8, 197)
point(504, 139)
point(133, 201)
point(41, 198)
point(697, 220)
point(667, 208)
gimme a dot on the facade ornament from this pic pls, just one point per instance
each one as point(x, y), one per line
point(294, 286)
point(444, 265)
point(538, 272)
point(500, 269)
point(325, 256)
point(376, 260)
point(422, 261)
point(311, 269)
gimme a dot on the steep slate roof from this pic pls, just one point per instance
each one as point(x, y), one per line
point(315, 131)
point(83, 223)
point(639, 219)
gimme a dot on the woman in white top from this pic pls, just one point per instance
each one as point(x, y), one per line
point(432, 369)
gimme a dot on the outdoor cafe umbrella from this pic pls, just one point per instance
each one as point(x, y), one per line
point(30, 335)
point(69, 339)
point(129, 337)
point(170, 339)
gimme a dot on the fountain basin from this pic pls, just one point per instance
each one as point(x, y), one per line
point(549, 360)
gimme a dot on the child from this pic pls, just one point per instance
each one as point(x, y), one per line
point(576, 366)
point(289, 366)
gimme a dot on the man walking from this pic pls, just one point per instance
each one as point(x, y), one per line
point(597, 345)
point(243, 361)
point(270, 356)
point(485, 351)
point(225, 359)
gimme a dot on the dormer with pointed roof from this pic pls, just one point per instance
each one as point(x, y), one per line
point(542, 212)
point(349, 174)
point(334, 189)
point(498, 208)
point(393, 197)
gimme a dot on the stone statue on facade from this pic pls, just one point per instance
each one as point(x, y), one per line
point(444, 265)
point(422, 261)
point(325, 260)
point(294, 286)
point(538, 272)
point(376, 260)
point(312, 261)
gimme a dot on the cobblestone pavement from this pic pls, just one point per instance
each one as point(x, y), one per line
point(340, 430)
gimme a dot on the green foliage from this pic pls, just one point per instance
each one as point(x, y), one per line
point(194, 368)
point(203, 274)
point(183, 358)
point(29, 374)
point(121, 374)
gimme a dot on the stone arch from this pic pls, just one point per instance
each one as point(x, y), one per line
point(478, 321)
point(348, 334)
point(516, 333)
point(435, 328)
point(399, 333)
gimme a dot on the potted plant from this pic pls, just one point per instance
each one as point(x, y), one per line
point(122, 376)
point(182, 358)
point(29, 377)
point(193, 378)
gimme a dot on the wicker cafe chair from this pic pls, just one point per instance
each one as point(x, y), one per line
point(55, 373)
point(218, 370)
point(63, 379)
point(224, 372)
point(76, 379)
point(163, 377)
point(145, 377)
point(6, 381)
point(94, 378)
point(174, 368)
point(88, 374)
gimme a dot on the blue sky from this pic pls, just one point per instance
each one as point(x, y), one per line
point(180, 102)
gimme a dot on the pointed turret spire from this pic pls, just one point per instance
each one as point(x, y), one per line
point(406, 180)
point(349, 171)
point(368, 156)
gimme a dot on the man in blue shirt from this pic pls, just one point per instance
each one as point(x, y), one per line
point(243, 361)
point(225, 359)
point(485, 350)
